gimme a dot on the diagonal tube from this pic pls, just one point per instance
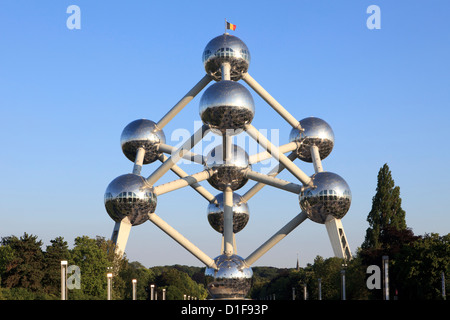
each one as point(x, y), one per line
point(191, 180)
point(184, 101)
point(189, 246)
point(271, 101)
point(290, 166)
point(170, 162)
point(277, 237)
point(196, 186)
point(274, 182)
point(258, 186)
point(291, 146)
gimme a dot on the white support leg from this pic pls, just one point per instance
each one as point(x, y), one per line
point(120, 235)
point(338, 239)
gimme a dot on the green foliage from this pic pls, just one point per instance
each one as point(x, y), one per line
point(386, 210)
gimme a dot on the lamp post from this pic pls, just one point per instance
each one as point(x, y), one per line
point(320, 288)
point(134, 281)
point(152, 290)
point(385, 277)
point(344, 265)
point(109, 277)
point(64, 280)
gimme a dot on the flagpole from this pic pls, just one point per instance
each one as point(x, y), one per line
point(225, 26)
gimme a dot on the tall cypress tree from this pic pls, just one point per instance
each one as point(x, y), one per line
point(386, 213)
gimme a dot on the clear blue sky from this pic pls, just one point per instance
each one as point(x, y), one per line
point(66, 95)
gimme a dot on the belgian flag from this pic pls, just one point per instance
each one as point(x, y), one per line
point(231, 26)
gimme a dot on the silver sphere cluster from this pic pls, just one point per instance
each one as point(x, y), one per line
point(226, 108)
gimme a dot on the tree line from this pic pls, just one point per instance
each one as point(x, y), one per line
point(416, 263)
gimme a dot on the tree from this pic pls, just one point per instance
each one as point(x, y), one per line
point(54, 254)
point(386, 210)
point(93, 262)
point(25, 266)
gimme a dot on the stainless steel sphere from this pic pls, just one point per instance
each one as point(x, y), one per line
point(230, 172)
point(227, 106)
point(330, 197)
point(142, 133)
point(226, 48)
point(241, 213)
point(129, 196)
point(232, 280)
point(316, 132)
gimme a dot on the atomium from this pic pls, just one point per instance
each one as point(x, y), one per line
point(227, 108)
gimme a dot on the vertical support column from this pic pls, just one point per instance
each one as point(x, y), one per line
point(228, 221)
point(338, 239)
point(317, 162)
point(138, 162)
point(120, 235)
point(63, 280)
point(226, 69)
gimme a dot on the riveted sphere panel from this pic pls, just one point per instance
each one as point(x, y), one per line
point(232, 280)
point(129, 196)
point(145, 134)
point(317, 132)
point(215, 213)
point(227, 106)
point(228, 172)
point(226, 48)
point(331, 196)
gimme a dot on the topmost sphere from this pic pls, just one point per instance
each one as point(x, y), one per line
point(226, 48)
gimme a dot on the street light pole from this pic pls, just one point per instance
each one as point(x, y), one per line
point(63, 280)
point(343, 281)
point(109, 277)
point(134, 288)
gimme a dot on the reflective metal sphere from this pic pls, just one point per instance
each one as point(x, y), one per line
point(227, 106)
point(226, 48)
point(142, 133)
point(241, 213)
point(228, 173)
point(231, 281)
point(316, 132)
point(332, 196)
point(130, 196)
